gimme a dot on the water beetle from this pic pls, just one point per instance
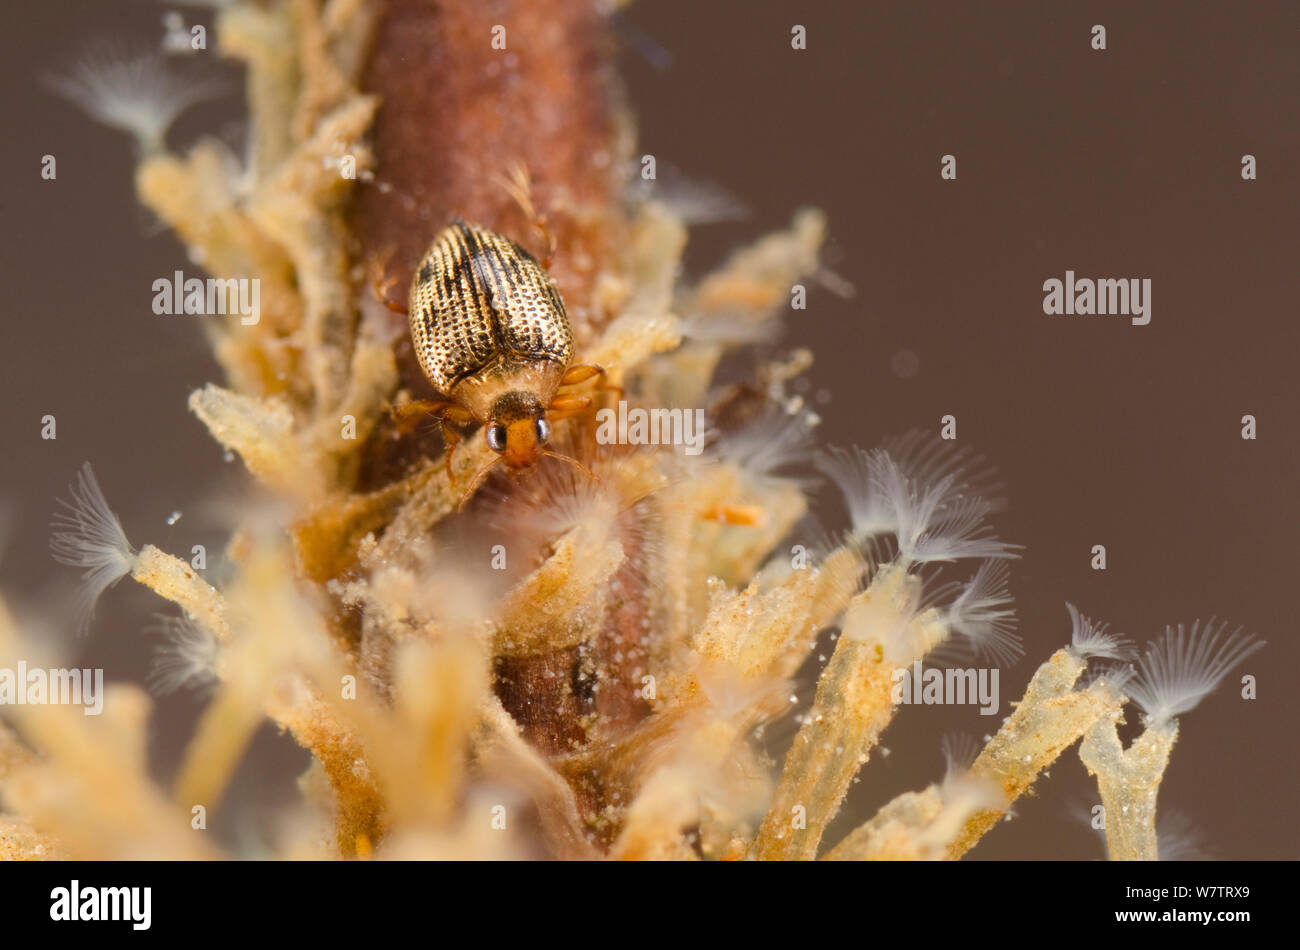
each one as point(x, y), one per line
point(492, 336)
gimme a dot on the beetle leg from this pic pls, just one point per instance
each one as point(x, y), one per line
point(520, 188)
point(450, 439)
point(539, 222)
point(581, 372)
point(567, 404)
point(382, 284)
point(549, 238)
point(407, 414)
point(454, 418)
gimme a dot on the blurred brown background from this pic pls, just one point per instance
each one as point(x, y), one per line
point(1119, 163)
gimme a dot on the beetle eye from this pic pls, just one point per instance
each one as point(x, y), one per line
point(496, 437)
point(543, 431)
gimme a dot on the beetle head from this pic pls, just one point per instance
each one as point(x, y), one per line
point(517, 429)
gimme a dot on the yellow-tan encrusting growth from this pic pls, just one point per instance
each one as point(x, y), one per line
point(853, 705)
point(1051, 717)
point(1129, 781)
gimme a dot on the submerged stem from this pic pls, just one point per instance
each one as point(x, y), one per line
point(1129, 781)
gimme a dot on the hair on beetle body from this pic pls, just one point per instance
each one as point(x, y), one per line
point(492, 336)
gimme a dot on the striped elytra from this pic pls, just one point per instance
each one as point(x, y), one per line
point(479, 300)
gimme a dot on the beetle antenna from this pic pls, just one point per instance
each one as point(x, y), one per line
point(574, 462)
point(475, 481)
